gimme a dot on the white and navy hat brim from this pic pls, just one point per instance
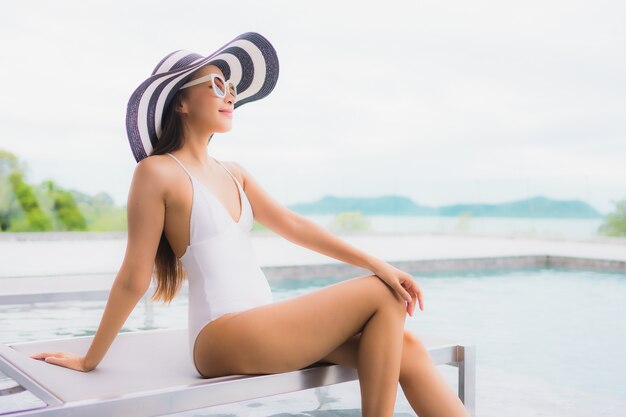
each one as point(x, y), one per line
point(249, 61)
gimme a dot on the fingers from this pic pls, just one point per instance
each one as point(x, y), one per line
point(408, 289)
point(59, 361)
point(406, 296)
point(56, 360)
point(410, 302)
point(420, 298)
point(413, 303)
point(45, 355)
point(411, 295)
point(41, 355)
point(64, 359)
point(416, 292)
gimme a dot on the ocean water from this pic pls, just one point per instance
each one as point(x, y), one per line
point(549, 342)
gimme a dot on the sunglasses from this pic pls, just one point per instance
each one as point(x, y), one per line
point(218, 83)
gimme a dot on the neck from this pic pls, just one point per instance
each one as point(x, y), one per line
point(195, 149)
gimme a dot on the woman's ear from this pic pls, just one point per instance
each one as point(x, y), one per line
point(180, 106)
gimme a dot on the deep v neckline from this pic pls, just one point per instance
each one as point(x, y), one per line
point(212, 194)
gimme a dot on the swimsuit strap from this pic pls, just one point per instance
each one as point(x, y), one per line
point(188, 173)
point(231, 174)
point(180, 163)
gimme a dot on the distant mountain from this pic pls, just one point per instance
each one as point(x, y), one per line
point(369, 205)
point(538, 206)
point(532, 207)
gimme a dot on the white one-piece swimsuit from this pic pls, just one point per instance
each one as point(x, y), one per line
point(222, 270)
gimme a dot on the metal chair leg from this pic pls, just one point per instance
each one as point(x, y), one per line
point(466, 356)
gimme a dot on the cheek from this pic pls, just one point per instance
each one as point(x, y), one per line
point(205, 109)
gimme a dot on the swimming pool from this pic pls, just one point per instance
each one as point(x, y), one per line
point(549, 341)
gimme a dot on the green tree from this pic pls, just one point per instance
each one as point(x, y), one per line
point(615, 223)
point(19, 207)
point(65, 208)
point(9, 206)
point(36, 219)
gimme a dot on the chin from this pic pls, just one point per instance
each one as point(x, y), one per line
point(223, 128)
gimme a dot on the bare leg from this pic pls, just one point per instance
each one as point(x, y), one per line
point(379, 361)
point(425, 389)
point(294, 333)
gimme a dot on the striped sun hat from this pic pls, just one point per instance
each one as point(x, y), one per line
point(249, 61)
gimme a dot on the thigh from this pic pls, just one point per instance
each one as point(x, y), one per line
point(293, 333)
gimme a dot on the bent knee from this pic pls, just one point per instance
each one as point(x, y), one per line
point(385, 295)
point(414, 345)
point(414, 355)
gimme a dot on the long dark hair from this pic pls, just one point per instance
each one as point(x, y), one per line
point(168, 270)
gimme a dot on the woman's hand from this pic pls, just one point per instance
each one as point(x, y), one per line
point(66, 359)
point(403, 283)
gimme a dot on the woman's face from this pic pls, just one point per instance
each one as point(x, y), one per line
point(205, 112)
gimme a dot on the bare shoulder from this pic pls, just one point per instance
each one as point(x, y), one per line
point(151, 169)
point(154, 173)
point(147, 202)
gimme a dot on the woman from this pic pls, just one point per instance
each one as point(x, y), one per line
point(190, 212)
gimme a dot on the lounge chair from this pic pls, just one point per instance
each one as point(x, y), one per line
point(150, 373)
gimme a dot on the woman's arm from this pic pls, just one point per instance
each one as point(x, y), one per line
point(299, 229)
point(146, 215)
point(122, 300)
point(309, 234)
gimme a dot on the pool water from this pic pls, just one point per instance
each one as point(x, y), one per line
point(549, 341)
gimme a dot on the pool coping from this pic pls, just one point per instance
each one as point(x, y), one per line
point(451, 264)
point(30, 289)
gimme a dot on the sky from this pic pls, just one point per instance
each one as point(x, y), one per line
point(443, 102)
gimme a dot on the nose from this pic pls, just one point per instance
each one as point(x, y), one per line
point(229, 96)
